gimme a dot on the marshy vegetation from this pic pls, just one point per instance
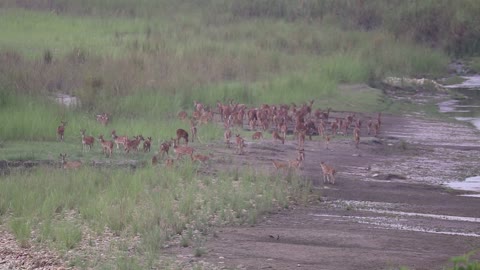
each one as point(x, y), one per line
point(144, 61)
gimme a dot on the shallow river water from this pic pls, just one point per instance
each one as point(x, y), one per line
point(465, 110)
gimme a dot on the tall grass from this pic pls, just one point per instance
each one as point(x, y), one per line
point(151, 202)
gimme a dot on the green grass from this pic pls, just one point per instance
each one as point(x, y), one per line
point(152, 202)
point(33, 32)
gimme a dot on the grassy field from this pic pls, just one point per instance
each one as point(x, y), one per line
point(143, 62)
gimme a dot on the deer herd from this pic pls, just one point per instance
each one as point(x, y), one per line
point(301, 121)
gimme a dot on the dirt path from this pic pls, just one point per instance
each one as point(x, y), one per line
point(387, 209)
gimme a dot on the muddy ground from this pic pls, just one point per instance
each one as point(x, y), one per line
point(388, 208)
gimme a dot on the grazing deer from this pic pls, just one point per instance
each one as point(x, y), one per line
point(87, 141)
point(227, 135)
point(193, 129)
point(182, 150)
point(240, 144)
point(257, 135)
point(181, 133)
point(119, 140)
point(107, 146)
point(277, 136)
point(356, 136)
point(328, 173)
point(61, 130)
point(147, 144)
point(69, 164)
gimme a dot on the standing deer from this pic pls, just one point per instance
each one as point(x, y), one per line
point(69, 164)
point(147, 144)
point(107, 146)
point(240, 144)
point(87, 141)
point(356, 136)
point(119, 139)
point(61, 130)
point(193, 129)
point(227, 135)
point(165, 147)
point(328, 173)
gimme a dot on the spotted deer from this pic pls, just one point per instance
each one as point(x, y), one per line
point(103, 118)
point(61, 130)
point(280, 165)
point(147, 144)
point(119, 140)
point(257, 135)
point(69, 164)
point(240, 142)
point(107, 146)
point(301, 138)
point(165, 147)
point(133, 144)
point(277, 136)
point(182, 134)
point(193, 129)
point(328, 173)
point(227, 135)
point(327, 141)
point(182, 150)
point(87, 141)
point(356, 136)
point(199, 157)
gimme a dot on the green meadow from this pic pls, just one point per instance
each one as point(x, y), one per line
point(145, 61)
